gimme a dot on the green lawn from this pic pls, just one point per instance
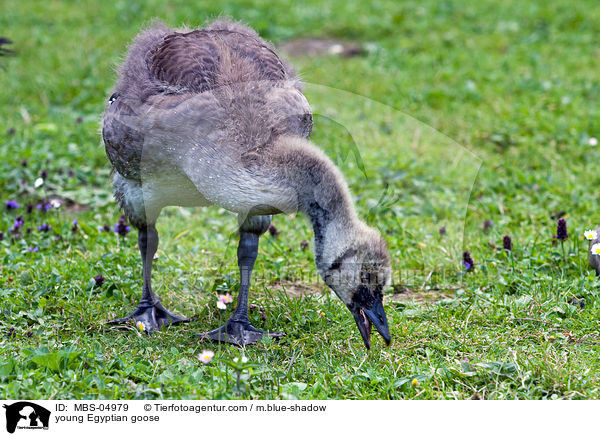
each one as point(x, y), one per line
point(455, 113)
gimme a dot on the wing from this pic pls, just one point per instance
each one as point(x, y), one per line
point(123, 140)
point(140, 137)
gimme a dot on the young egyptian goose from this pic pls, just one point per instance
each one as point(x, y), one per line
point(214, 116)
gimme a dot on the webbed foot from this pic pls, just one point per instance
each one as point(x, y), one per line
point(240, 333)
point(152, 316)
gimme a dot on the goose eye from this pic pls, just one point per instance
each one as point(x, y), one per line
point(112, 98)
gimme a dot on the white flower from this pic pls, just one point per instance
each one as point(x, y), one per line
point(141, 326)
point(55, 203)
point(593, 142)
point(38, 182)
point(206, 356)
point(595, 249)
point(227, 298)
point(244, 359)
point(336, 49)
point(590, 234)
point(221, 305)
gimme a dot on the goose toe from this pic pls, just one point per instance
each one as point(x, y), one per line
point(239, 333)
point(151, 317)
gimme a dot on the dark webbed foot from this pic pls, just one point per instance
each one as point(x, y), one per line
point(238, 330)
point(153, 316)
point(240, 333)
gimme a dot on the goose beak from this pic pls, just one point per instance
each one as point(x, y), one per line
point(375, 315)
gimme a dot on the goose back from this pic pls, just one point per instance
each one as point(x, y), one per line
point(223, 82)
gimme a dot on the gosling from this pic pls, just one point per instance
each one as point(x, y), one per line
point(214, 116)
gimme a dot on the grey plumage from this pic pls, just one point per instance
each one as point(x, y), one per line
point(234, 78)
point(215, 116)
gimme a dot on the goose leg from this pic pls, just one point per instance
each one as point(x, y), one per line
point(238, 330)
point(149, 311)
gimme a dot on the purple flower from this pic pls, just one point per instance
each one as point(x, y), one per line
point(99, 280)
point(18, 224)
point(1, 236)
point(11, 332)
point(561, 229)
point(44, 206)
point(442, 231)
point(273, 230)
point(44, 228)
point(75, 227)
point(33, 249)
point(29, 208)
point(44, 174)
point(507, 243)
point(12, 204)
point(121, 227)
point(304, 245)
point(467, 261)
point(487, 224)
point(24, 163)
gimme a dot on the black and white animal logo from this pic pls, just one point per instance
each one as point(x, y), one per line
point(26, 415)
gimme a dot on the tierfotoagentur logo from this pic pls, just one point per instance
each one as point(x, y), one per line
point(25, 415)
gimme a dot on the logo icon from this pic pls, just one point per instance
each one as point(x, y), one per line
point(26, 415)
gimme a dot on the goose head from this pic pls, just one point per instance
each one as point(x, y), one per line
point(358, 276)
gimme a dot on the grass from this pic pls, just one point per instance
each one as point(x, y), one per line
point(457, 113)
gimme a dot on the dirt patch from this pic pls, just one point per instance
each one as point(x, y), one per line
point(322, 47)
point(402, 295)
point(299, 289)
point(67, 203)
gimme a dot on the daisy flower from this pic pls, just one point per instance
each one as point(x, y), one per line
point(221, 305)
point(38, 182)
point(227, 298)
point(141, 326)
point(244, 359)
point(206, 356)
point(593, 142)
point(590, 234)
point(595, 249)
